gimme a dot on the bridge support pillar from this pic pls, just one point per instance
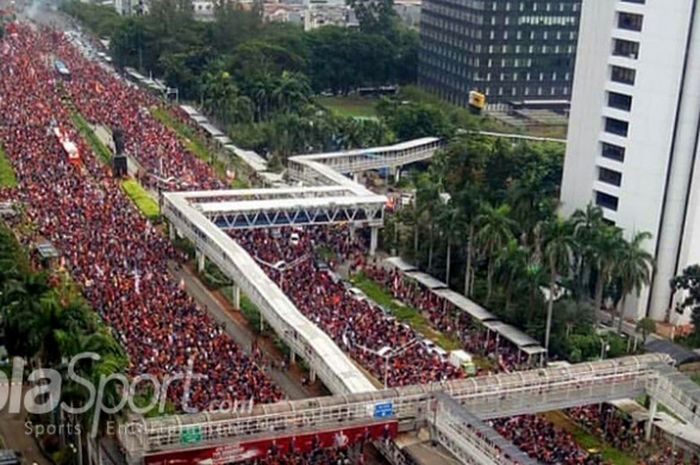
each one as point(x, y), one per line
point(312, 376)
point(397, 175)
point(292, 358)
point(236, 296)
point(373, 240)
point(356, 177)
point(653, 404)
point(199, 256)
point(171, 232)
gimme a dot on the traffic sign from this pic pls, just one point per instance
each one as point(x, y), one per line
point(191, 435)
point(384, 410)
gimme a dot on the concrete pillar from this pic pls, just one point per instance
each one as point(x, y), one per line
point(373, 240)
point(236, 296)
point(312, 376)
point(292, 357)
point(352, 232)
point(356, 177)
point(397, 175)
point(200, 260)
point(653, 404)
point(171, 231)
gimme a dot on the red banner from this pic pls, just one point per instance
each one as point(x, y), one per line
point(303, 443)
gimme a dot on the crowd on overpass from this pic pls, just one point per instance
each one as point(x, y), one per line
point(121, 262)
point(114, 255)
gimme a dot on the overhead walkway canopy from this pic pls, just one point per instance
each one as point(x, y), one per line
point(475, 311)
point(266, 208)
point(525, 344)
point(470, 439)
point(355, 161)
point(400, 263)
point(304, 338)
point(426, 280)
point(495, 396)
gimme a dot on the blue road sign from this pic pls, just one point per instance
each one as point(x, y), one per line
point(384, 410)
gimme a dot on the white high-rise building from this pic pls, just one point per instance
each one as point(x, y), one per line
point(634, 132)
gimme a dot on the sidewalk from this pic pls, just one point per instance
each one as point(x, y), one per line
point(14, 436)
point(238, 328)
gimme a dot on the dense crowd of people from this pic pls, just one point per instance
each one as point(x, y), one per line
point(121, 261)
point(615, 427)
point(116, 256)
point(444, 316)
point(361, 328)
point(543, 441)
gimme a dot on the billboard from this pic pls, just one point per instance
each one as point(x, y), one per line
point(239, 451)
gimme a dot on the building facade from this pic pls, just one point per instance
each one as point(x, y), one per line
point(510, 50)
point(634, 130)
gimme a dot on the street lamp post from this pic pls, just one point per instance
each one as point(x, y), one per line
point(387, 354)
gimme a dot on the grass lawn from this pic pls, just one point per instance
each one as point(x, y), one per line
point(350, 106)
point(199, 148)
point(590, 442)
point(188, 136)
point(140, 197)
point(404, 313)
point(7, 174)
point(95, 143)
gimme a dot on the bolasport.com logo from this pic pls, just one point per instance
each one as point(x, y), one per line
point(40, 392)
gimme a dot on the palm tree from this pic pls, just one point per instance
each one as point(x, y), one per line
point(494, 229)
point(588, 225)
point(22, 298)
point(511, 264)
point(451, 223)
point(603, 249)
point(428, 202)
point(291, 90)
point(557, 250)
point(633, 268)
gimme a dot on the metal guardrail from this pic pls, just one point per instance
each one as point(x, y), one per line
point(469, 439)
point(355, 161)
point(303, 337)
point(487, 397)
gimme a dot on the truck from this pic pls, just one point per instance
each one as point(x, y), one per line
point(463, 360)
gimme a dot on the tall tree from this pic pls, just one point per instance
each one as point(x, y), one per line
point(511, 265)
point(588, 225)
point(604, 247)
point(689, 282)
point(494, 228)
point(557, 250)
point(633, 267)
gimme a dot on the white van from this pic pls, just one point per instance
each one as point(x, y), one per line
point(463, 360)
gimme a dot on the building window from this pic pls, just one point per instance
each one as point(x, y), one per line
point(629, 21)
point(623, 75)
point(608, 201)
point(619, 101)
point(626, 48)
point(616, 126)
point(608, 176)
point(613, 152)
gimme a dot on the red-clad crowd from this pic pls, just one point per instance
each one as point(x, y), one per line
point(444, 316)
point(118, 259)
point(104, 99)
point(615, 427)
point(543, 441)
point(121, 262)
point(361, 328)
